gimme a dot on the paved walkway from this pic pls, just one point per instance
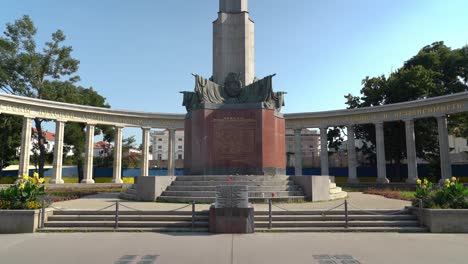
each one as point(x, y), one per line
point(357, 199)
point(303, 248)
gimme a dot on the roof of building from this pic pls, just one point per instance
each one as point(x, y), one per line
point(48, 135)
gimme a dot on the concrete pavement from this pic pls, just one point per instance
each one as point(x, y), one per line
point(130, 248)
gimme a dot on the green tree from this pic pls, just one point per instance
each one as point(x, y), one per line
point(26, 69)
point(436, 70)
point(10, 139)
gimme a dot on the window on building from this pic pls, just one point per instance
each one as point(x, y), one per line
point(180, 139)
point(179, 156)
point(159, 139)
point(180, 147)
point(159, 157)
point(159, 147)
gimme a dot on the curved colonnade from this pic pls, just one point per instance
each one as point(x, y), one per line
point(438, 107)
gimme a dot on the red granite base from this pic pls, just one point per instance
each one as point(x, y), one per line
point(234, 141)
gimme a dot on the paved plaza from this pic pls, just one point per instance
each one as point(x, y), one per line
point(271, 248)
point(355, 199)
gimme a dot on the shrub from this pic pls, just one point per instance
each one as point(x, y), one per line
point(452, 194)
point(25, 194)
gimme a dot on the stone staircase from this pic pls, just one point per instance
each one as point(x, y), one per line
point(334, 221)
point(201, 189)
point(129, 221)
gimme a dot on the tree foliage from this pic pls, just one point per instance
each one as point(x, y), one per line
point(436, 70)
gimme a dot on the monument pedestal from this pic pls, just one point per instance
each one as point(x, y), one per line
point(232, 220)
point(227, 139)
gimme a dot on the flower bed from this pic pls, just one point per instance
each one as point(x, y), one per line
point(445, 206)
point(19, 204)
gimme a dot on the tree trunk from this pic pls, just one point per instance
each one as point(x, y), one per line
point(40, 143)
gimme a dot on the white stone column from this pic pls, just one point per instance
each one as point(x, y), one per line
point(445, 164)
point(324, 151)
point(117, 171)
point(380, 147)
point(58, 152)
point(352, 162)
point(89, 147)
point(411, 151)
point(297, 152)
point(25, 146)
point(145, 151)
point(171, 152)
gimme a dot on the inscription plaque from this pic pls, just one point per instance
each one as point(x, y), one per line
point(232, 196)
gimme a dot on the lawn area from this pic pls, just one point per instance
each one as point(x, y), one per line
point(405, 195)
point(70, 193)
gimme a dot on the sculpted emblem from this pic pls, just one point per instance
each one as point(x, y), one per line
point(233, 85)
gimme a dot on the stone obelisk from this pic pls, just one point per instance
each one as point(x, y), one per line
point(233, 42)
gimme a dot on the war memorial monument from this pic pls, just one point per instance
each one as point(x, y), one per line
point(235, 146)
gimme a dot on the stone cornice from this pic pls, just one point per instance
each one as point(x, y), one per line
point(431, 107)
point(25, 106)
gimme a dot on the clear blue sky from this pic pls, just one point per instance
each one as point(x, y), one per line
point(139, 54)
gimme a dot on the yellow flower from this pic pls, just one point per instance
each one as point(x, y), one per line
point(25, 177)
point(41, 180)
point(452, 184)
point(418, 182)
point(454, 179)
point(447, 181)
point(36, 175)
point(21, 186)
point(426, 181)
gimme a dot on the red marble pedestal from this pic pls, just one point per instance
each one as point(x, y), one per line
point(244, 139)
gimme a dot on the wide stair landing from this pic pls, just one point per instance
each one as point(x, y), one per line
point(128, 221)
point(334, 221)
point(201, 189)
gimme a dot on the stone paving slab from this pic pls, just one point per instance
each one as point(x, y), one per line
point(274, 248)
point(358, 199)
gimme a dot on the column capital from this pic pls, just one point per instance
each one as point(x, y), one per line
point(61, 120)
point(91, 124)
point(407, 120)
point(324, 127)
point(438, 116)
point(146, 128)
point(379, 123)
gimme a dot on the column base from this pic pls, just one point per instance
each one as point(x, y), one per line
point(411, 180)
point(87, 181)
point(119, 180)
point(382, 180)
point(56, 181)
point(353, 180)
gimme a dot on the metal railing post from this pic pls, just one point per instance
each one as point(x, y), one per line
point(346, 213)
point(269, 214)
point(43, 213)
point(116, 214)
point(193, 215)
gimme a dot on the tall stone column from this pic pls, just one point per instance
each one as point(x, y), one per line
point(58, 152)
point(324, 151)
point(117, 171)
point(445, 164)
point(411, 151)
point(297, 152)
point(380, 145)
point(145, 151)
point(89, 147)
point(25, 146)
point(171, 153)
point(352, 162)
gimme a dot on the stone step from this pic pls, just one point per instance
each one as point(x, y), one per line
point(131, 191)
point(263, 224)
point(336, 196)
point(123, 224)
point(250, 188)
point(315, 218)
point(332, 185)
point(213, 194)
point(371, 212)
point(234, 178)
point(162, 218)
point(121, 213)
point(207, 200)
point(335, 190)
point(243, 183)
point(409, 229)
point(127, 196)
point(124, 229)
